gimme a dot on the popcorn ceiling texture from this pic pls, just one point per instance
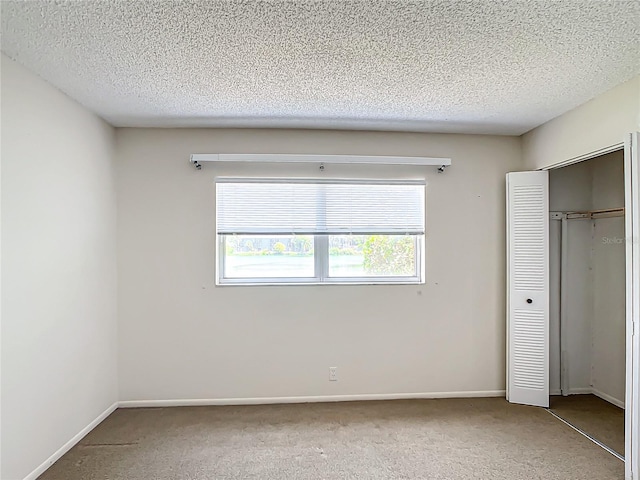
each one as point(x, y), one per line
point(480, 66)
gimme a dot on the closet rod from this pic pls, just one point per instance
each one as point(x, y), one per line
point(604, 213)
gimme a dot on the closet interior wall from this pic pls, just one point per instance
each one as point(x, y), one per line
point(593, 360)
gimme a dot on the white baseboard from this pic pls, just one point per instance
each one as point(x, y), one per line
point(67, 446)
point(608, 398)
point(580, 391)
point(573, 391)
point(594, 391)
point(304, 399)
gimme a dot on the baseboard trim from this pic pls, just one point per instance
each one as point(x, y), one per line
point(580, 391)
point(573, 391)
point(67, 446)
point(608, 398)
point(594, 391)
point(305, 399)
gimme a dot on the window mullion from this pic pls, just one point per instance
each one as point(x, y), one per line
point(321, 254)
point(321, 241)
point(222, 256)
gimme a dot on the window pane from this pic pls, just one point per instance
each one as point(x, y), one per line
point(261, 256)
point(372, 255)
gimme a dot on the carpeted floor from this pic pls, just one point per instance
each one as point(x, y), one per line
point(600, 419)
point(484, 438)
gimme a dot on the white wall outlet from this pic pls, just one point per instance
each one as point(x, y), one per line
point(333, 374)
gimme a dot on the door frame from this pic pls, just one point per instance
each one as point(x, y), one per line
point(632, 262)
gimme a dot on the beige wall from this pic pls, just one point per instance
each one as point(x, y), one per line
point(595, 125)
point(58, 270)
point(180, 337)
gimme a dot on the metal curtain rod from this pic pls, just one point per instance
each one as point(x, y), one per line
point(595, 214)
point(197, 159)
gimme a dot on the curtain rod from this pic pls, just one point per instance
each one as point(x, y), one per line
point(198, 158)
point(590, 214)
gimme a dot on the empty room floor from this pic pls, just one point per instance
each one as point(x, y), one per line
point(477, 438)
point(594, 416)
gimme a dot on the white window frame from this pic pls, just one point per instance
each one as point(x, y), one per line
point(321, 264)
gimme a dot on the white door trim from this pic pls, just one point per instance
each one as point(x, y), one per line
point(586, 156)
point(632, 234)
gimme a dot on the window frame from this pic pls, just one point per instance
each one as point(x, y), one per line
point(321, 256)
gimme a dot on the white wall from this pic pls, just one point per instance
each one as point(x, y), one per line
point(597, 124)
point(58, 270)
point(180, 337)
point(608, 351)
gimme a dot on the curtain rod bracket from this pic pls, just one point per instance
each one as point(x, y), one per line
point(441, 168)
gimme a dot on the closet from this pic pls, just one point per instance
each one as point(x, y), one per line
point(587, 297)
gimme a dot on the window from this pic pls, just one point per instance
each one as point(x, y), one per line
point(290, 231)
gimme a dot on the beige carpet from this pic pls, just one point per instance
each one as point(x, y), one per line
point(418, 439)
point(600, 419)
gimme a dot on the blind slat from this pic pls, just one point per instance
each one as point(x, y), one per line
point(304, 207)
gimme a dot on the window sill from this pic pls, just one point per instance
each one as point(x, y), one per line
point(315, 283)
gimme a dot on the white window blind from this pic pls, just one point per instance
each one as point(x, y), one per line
point(320, 207)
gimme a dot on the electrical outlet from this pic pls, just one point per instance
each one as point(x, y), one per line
point(333, 374)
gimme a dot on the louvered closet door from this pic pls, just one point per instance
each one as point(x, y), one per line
point(528, 288)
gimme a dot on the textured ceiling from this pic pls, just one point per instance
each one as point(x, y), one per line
point(482, 66)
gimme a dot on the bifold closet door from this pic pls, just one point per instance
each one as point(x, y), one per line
point(528, 288)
